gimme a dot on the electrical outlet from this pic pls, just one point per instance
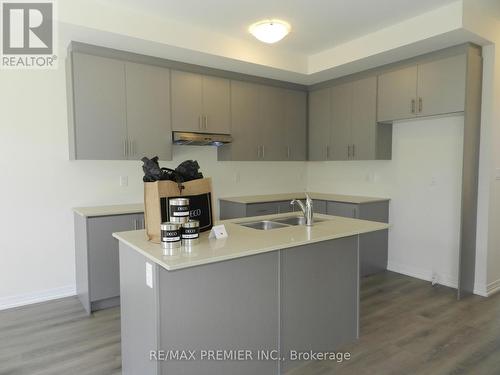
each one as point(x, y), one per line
point(123, 181)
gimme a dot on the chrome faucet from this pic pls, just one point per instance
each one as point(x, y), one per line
point(307, 209)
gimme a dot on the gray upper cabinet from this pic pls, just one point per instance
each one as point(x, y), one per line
point(340, 133)
point(118, 110)
point(272, 123)
point(148, 112)
point(343, 123)
point(441, 86)
point(366, 135)
point(295, 124)
point(187, 102)
point(319, 124)
point(267, 123)
point(98, 130)
point(200, 103)
point(397, 93)
point(217, 105)
point(431, 88)
point(245, 124)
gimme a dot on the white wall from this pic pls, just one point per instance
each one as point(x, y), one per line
point(423, 180)
point(40, 185)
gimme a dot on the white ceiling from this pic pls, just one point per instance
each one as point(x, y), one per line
point(316, 24)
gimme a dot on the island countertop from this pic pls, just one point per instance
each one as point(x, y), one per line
point(243, 241)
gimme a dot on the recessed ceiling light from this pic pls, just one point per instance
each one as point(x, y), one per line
point(270, 31)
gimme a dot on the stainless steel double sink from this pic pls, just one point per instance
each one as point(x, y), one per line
point(277, 223)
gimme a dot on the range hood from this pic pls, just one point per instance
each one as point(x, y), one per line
point(200, 139)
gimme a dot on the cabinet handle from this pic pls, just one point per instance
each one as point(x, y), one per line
point(263, 151)
point(258, 152)
point(353, 150)
point(288, 152)
point(327, 152)
point(135, 224)
point(348, 151)
point(125, 146)
point(420, 105)
point(413, 106)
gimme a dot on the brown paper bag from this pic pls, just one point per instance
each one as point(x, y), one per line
point(156, 198)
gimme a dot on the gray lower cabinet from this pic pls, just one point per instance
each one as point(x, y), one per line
point(373, 250)
point(306, 303)
point(117, 110)
point(373, 247)
point(232, 210)
point(97, 264)
point(264, 303)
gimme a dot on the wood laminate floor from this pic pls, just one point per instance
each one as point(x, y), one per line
point(407, 327)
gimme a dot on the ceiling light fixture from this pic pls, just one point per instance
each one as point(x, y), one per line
point(270, 31)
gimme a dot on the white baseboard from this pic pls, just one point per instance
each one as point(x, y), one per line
point(421, 274)
point(493, 288)
point(30, 298)
point(488, 289)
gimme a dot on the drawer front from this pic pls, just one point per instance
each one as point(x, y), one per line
point(260, 209)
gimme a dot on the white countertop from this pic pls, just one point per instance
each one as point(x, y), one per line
point(118, 209)
point(243, 241)
point(289, 196)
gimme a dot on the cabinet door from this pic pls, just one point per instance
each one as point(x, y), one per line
point(296, 124)
point(245, 124)
point(319, 124)
point(441, 86)
point(340, 133)
point(319, 207)
point(187, 105)
point(364, 119)
point(397, 92)
point(148, 111)
point(99, 108)
point(216, 105)
point(342, 209)
point(104, 272)
point(272, 118)
point(285, 206)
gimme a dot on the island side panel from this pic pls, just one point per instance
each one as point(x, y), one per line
point(319, 297)
point(139, 313)
point(228, 305)
point(82, 262)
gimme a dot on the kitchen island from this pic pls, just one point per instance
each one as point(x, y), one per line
point(246, 304)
